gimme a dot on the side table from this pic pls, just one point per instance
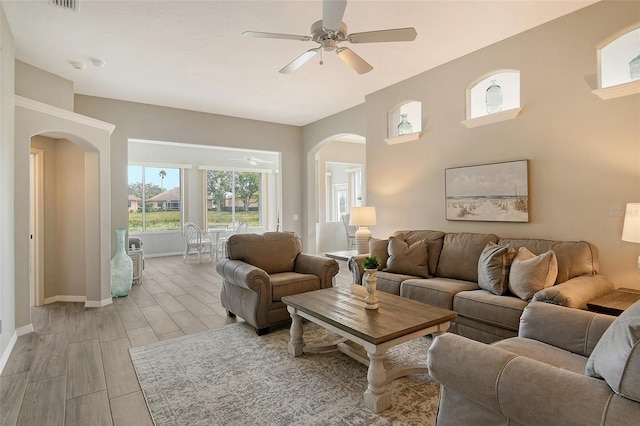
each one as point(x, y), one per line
point(137, 256)
point(615, 302)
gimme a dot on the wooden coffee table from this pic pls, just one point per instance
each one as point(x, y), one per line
point(341, 310)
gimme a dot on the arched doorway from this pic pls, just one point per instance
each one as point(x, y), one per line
point(87, 142)
point(339, 170)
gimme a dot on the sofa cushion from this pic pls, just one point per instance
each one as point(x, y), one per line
point(407, 259)
point(616, 357)
point(493, 267)
point(574, 258)
point(378, 248)
point(389, 282)
point(486, 307)
point(460, 255)
point(272, 252)
point(435, 239)
point(435, 291)
point(530, 273)
point(289, 283)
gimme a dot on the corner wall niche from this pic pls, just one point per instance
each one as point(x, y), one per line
point(493, 98)
point(399, 131)
point(619, 64)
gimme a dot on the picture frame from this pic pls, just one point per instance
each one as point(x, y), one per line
point(496, 192)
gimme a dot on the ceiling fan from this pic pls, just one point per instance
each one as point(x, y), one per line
point(252, 160)
point(330, 31)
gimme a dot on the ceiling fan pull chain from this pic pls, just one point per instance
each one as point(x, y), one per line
point(321, 61)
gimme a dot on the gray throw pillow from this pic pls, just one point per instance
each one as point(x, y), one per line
point(494, 266)
point(378, 248)
point(407, 260)
point(616, 357)
point(530, 273)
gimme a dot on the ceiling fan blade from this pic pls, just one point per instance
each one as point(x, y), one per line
point(257, 34)
point(332, 13)
point(381, 36)
point(300, 60)
point(358, 64)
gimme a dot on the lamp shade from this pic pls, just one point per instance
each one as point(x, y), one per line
point(631, 228)
point(362, 216)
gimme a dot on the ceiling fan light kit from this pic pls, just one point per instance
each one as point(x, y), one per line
point(330, 31)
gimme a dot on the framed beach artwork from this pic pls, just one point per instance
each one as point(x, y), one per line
point(497, 192)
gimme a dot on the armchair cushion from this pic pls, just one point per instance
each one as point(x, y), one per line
point(289, 283)
point(616, 357)
point(407, 259)
point(272, 252)
point(530, 273)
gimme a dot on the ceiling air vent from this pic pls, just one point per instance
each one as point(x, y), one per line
point(66, 4)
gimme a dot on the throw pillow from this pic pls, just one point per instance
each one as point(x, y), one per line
point(378, 248)
point(530, 273)
point(407, 260)
point(494, 266)
point(616, 357)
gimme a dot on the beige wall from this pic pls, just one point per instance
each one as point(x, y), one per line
point(584, 152)
point(70, 200)
point(7, 242)
point(35, 83)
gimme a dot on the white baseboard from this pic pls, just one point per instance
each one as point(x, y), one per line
point(20, 331)
point(25, 329)
point(98, 303)
point(64, 298)
point(177, 253)
point(7, 351)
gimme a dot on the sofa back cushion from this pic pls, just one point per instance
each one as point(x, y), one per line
point(460, 254)
point(574, 258)
point(434, 239)
point(273, 252)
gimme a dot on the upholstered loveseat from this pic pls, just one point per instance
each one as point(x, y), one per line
point(446, 275)
point(566, 367)
point(261, 269)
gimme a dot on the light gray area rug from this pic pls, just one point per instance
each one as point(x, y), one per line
point(231, 376)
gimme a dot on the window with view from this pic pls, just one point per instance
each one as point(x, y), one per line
point(154, 199)
point(233, 195)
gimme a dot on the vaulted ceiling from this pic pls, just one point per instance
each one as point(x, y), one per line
point(192, 55)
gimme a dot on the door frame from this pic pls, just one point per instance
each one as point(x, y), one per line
point(36, 226)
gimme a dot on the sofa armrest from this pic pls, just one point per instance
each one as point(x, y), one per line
point(242, 274)
point(576, 292)
point(570, 329)
point(519, 388)
point(320, 266)
point(356, 268)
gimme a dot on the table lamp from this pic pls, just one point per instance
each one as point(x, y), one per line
point(631, 227)
point(362, 217)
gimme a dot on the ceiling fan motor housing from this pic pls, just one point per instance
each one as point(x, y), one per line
point(326, 37)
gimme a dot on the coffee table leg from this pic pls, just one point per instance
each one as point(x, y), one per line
point(375, 397)
point(296, 344)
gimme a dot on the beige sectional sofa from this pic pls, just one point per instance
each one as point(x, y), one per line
point(448, 277)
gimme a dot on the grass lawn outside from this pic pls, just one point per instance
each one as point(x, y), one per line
point(170, 220)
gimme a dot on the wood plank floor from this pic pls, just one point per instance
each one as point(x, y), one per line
point(75, 369)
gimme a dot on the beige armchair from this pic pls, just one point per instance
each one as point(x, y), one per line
point(261, 269)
